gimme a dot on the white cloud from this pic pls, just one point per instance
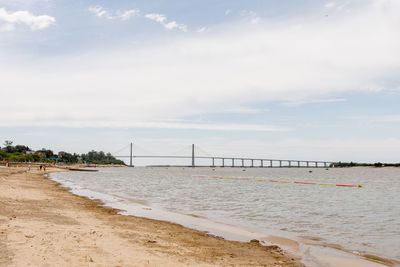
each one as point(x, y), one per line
point(344, 7)
point(393, 118)
point(93, 121)
point(228, 11)
point(156, 17)
point(243, 110)
point(208, 126)
point(299, 102)
point(127, 14)
point(34, 22)
point(100, 12)
point(202, 29)
point(173, 24)
point(120, 14)
point(330, 5)
point(232, 66)
point(254, 18)
point(162, 19)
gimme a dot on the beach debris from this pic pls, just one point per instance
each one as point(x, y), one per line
point(29, 236)
point(89, 259)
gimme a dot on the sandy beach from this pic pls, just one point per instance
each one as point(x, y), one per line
point(42, 224)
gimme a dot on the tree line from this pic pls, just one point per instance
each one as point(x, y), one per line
point(22, 153)
point(355, 164)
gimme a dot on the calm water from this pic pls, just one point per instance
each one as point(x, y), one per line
point(363, 219)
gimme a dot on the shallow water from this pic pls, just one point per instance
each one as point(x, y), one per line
point(363, 219)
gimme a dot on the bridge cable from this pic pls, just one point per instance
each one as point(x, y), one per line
point(119, 150)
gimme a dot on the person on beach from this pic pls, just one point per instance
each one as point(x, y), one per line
point(40, 167)
point(29, 167)
point(44, 168)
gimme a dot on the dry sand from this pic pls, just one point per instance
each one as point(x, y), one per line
point(42, 224)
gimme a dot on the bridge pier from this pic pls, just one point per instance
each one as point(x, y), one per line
point(270, 163)
point(223, 162)
point(233, 162)
point(213, 162)
point(262, 164)
point(252, 163)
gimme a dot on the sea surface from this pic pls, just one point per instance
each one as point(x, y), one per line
point(358, 219)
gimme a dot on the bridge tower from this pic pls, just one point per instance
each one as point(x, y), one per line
point(192, 155)
point(131, 156)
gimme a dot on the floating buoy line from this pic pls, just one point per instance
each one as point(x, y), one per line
point(268, 180)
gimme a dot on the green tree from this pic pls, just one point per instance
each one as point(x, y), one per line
point(22, 149)
point(45, 153)
point(8, 143)
point(68, 157)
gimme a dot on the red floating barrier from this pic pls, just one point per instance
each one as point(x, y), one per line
point(303, 183)
point(273, 181)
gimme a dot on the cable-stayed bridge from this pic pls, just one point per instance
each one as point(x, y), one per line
point(208, 160)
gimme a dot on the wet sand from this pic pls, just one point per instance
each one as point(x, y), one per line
point(42, 224)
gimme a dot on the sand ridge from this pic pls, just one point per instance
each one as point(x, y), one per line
point(43, 224)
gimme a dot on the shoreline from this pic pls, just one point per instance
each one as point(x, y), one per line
point(322, 253)
point(338, 258)
point(43, 223)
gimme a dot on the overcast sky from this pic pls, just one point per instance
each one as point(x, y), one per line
point(302, 79)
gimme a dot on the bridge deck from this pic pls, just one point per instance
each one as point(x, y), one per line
point(230, 161)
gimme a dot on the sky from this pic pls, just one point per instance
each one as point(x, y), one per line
point(293, 79)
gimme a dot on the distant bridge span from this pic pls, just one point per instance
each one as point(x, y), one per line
point(216, 161)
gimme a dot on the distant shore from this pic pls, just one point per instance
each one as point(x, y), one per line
point(44, 224)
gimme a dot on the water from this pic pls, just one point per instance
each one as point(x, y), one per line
point(363, 219)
